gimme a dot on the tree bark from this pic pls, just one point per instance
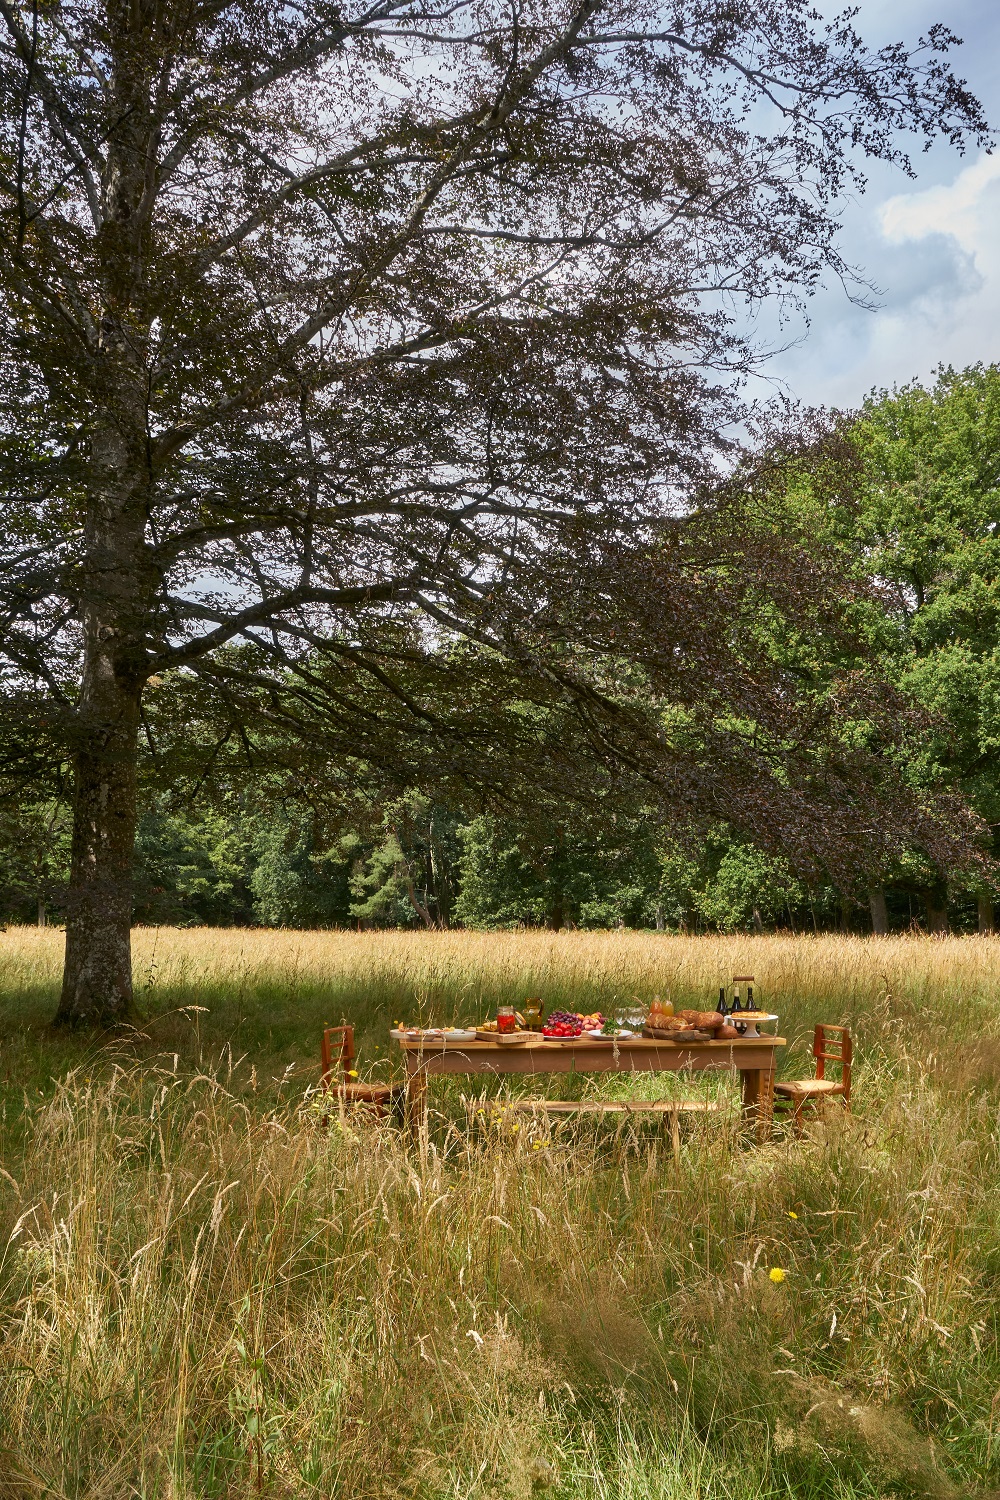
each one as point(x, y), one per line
point(97, 976)
point(117, 578)
point(877, 907)
point(115, 596)
point(936, 904)
point(984, 906)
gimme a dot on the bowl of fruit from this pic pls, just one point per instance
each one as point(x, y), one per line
point(570, 1025)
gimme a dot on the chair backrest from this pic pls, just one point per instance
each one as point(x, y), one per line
point(833, 1044)
point(346, 1052)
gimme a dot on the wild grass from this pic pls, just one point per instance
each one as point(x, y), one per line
point(206, 1292)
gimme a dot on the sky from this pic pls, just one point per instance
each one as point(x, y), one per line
point(931, 243)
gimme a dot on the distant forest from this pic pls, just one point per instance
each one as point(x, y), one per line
point(271, 833)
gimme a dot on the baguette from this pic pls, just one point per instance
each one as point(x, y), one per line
point(703, 1020)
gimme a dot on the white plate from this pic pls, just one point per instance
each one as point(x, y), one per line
point(435, 1035)
point(599, 1036)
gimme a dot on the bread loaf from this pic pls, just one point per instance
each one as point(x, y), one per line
point(727, 1033)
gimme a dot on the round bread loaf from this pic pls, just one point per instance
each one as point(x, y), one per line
point(727, 1033)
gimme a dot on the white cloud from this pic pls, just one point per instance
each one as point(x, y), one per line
point(934, 253)
point(932, 249)
point(967, 209)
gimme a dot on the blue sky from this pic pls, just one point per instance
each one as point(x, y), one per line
point(931, 244)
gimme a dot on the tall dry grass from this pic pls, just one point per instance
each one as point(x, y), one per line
point(204, 1292)
point(275, 987)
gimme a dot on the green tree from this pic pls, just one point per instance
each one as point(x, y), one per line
point(551, 874)
point(918, 516)
point(410, 875)
point(34, 855)
point(295, 882)
point(192, 868)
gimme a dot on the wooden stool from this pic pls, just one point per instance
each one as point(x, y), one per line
point(830, 1044)
point(381, 1098)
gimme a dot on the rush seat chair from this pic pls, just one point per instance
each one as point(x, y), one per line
point(831, 1044)
point(381, 1098)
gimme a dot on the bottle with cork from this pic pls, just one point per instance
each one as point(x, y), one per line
point(748, 980)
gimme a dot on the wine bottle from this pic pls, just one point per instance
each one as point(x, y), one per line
point(722, 1007)
point(750, 1005)
point(736, 1006)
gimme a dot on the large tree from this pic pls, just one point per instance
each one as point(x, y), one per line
point(917, 513)
point(315, 316)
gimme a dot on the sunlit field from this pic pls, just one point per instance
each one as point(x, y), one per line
point(207, 1291)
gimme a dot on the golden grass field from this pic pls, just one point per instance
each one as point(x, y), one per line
point(206, 1292)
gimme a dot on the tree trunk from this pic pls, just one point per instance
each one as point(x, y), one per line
point(115, 591)
point(879, 911)
point(97, 977)
point(936, 904)
point(984, 906)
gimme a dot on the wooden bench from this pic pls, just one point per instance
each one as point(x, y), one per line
point(672, 1107)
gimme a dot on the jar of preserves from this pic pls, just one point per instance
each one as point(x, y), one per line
point(506, 1019)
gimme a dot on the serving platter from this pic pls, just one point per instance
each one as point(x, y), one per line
point(434, 1034)
point(675, 1035)
point(750, 1019)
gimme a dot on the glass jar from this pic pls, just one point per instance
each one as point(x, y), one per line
point(506, 1019)
point(532, 1015)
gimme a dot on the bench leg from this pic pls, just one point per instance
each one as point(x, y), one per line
point(675, 1135)
point(416, 1101)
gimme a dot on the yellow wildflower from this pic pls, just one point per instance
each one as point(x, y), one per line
point(777, 1275)
point(792, 1214)
point(352, 1072)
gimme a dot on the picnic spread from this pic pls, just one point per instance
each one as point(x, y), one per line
point(663, 1041)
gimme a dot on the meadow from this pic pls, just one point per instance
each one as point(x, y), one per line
point(208, 1292)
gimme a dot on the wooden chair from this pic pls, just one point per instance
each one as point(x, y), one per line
point(381, 1098)
point(830, 1044)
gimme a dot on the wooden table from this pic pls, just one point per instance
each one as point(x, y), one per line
point(753, 1060)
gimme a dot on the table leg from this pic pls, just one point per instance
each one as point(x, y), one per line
point(416, 1099)
point(758, 1099)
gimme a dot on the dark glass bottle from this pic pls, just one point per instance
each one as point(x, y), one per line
point(750, 1005)
point(722, 1007)
point(736, 1007)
